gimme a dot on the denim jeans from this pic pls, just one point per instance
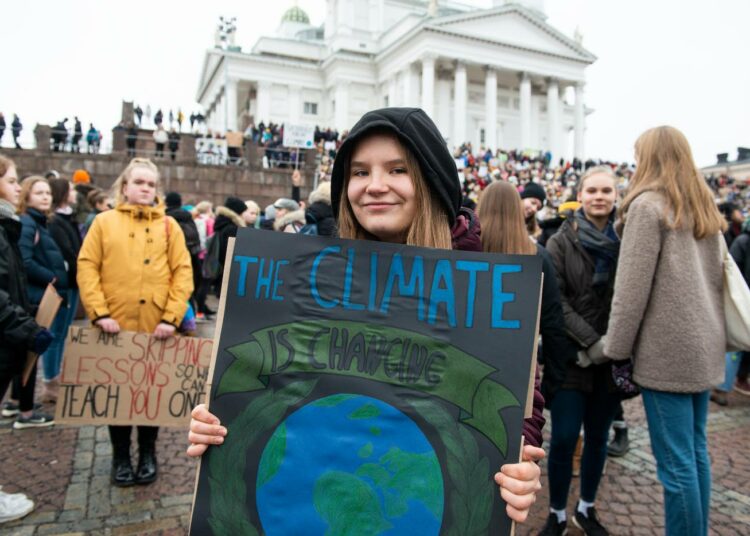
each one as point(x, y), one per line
point(677, 426)
point(52, 358)
point(731, 367)
point(571, 408)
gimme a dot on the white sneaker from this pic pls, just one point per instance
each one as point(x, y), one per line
point(14, 506)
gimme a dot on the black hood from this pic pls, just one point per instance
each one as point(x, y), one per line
point(417, 132)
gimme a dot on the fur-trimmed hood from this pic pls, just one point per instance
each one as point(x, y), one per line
point(229, 214)
point(297, 216)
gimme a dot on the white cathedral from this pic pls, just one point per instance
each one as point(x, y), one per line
point(497, 77)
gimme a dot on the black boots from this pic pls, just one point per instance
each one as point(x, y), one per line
point(122, 471)
point(147, 470)
point(620, 444)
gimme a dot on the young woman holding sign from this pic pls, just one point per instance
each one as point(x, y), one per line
point(394, 180)
point(134, 273)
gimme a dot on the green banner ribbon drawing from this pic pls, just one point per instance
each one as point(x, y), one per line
point(379, 353)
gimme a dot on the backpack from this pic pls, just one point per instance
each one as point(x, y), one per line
point(211, 268)
point(192, 237)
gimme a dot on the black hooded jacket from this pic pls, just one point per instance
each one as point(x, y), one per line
point(17, 326)
point(189, 229)
point(321, 214)
point(416, 131)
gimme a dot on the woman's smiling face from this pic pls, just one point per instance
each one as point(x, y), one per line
point(380, 188)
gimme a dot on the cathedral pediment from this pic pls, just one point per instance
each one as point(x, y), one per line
point(515, 26)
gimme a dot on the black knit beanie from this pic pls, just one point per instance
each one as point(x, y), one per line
point(533, 189)
point(417, 132)
point(236, 205)
point(173, 200)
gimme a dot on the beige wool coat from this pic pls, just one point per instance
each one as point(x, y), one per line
point(667, 311)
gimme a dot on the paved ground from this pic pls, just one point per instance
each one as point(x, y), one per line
point(66, 471)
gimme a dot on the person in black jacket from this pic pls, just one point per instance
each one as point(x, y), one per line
point(173, 201)
point(65, 233)
point(19, 333)
point(585, 252)
point(740, 252)
point(44, 265)
point(18, 330)
point(319, 212)
point(228, 220)
point(16, 128)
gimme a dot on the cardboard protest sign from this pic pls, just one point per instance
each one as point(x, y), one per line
point(45, 316)
point(367, 388)
point(131, 378)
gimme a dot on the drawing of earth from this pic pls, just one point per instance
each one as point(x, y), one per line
point(349, 464)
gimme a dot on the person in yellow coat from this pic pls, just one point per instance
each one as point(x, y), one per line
point(134, 274)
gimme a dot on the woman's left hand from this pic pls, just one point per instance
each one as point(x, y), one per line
point(519, 483)
point(164, 330)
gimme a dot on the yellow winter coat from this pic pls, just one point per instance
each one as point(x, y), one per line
point(135, 268)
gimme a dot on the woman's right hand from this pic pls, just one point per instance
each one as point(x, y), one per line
point(205, 430)
point(108, 325)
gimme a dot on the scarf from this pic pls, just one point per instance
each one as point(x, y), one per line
point(7, 210)
point(603, 246)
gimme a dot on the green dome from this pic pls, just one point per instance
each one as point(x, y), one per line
point(295, 14)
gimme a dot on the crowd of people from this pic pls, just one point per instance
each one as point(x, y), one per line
point(15, 127)
point(619, 245)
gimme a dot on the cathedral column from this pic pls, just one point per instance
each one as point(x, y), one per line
point(410, 87)
point(553, 118)
point(460, 88)
point(341, 99)
point(490, 108)
point(393, 90)
point(231, 104)
point(428, 84)
point(525, 111)
point(580, 123)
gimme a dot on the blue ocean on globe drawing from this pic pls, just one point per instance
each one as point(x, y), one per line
point(349, 464)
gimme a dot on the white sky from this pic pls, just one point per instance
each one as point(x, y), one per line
point(679, 62)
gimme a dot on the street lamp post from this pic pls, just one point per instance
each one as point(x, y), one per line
point(227, 26)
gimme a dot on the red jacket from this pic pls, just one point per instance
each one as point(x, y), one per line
point(466, 237)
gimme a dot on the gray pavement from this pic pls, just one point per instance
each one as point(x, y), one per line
point(66, 471)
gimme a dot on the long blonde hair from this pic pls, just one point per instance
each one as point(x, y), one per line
point(430, 227)
point(124, 177)
point(26, 186)
point(501, 219)
point(665, 165)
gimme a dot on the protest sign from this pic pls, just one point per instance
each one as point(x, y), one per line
point(366, 387)
point(131, 378)
point(300, 136)
point(45, 316)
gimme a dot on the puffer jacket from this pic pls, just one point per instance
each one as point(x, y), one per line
point(135, 268)
point(466, 236)
point(586, 310)
point(42, 258)
point(17, 326)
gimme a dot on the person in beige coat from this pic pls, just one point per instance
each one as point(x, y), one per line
point(667, 315)
point(134, 273)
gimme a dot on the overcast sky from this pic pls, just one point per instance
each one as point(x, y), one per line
point(678, 62)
